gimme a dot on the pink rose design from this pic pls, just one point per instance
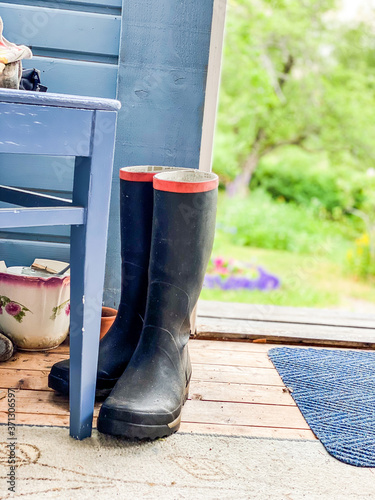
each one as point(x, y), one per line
point(13, 309)
point(67, 309)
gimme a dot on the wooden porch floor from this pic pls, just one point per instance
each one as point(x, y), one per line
point(235, 390)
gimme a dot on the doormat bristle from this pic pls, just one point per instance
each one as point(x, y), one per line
point(335, 391)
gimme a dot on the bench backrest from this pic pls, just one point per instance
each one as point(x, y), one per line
point(76, 48)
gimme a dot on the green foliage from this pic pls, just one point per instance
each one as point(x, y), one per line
point(293, 74)
point(360, 262)
point(259, 221)
point(296, 176)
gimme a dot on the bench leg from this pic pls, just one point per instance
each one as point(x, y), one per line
point(92, 185)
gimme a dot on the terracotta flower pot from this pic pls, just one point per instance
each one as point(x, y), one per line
point(108, 317)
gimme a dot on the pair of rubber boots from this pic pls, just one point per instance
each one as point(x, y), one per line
point(167, 231)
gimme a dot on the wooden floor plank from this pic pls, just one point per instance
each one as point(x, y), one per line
point(41, 361)
point(23, 379)
point(225, 345)
point(194, 344)
point(239, 393)
point(61, 349)
point(37, 380)
point(38, 402)
point(283, 314)
point(212, 412)
point(288, 333)
point(236, 375)
point(44, 419)
point(44, 360)
point(234, 358)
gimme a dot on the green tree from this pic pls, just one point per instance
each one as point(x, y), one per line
point(293, 75)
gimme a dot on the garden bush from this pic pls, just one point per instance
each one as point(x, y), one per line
point(260, 221)
point(309, 180)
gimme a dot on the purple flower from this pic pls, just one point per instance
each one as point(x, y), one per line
point(13, 309)
point(67, 309)
point(267, 281)
point(236, 277)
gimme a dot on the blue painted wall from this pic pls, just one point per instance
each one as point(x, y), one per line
point(161, 84)
point(155, 53)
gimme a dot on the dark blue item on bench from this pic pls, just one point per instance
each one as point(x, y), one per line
point(30, 80)
point(335, 391)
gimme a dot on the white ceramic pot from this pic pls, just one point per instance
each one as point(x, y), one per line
point(34, 307)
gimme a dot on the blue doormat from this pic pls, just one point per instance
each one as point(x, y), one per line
point(335, 391)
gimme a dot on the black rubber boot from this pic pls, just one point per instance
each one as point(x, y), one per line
point(117, 346)
point(147, 400)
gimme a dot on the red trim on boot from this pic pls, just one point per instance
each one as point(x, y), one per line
point(128, 175)
point(143, 173)
point(185, 187)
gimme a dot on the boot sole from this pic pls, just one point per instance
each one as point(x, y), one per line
point(62, 386)
point(140, 432)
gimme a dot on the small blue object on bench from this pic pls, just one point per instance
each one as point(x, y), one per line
point(335, 391)
point(83, 128)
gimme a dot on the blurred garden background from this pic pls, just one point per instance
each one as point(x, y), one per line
point(295, 151)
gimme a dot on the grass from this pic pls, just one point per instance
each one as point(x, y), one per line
point(311, 276)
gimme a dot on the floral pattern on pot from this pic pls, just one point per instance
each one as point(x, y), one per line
point(65, 306)
point(13, 308)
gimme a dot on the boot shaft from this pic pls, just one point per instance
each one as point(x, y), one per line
point(136, 213)
point(182, 239)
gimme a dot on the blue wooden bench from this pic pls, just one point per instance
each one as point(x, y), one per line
point(84, 129)
point(76, 47)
